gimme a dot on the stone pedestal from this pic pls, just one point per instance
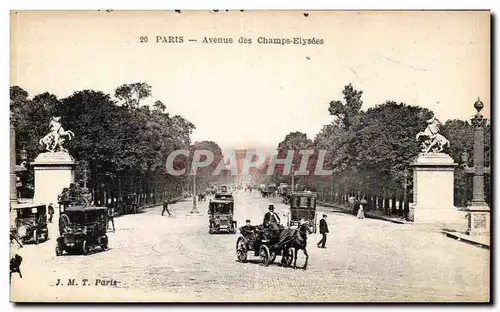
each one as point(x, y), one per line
point(53, 172)
point(478, 219)
point(433, 179)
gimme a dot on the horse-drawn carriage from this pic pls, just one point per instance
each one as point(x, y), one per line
point(303, 207)
point(220, 213)
point(267, 247)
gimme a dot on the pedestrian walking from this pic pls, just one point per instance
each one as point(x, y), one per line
point(165, 208)
point(51, 212)
point(111, 217)
point(361, 211)
point(323, 229)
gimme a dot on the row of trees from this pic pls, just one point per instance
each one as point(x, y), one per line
point(370, 151)
point(120, 144)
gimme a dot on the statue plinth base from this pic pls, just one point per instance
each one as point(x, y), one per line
point(478, 214)
point(433, 180)
point(53, 172)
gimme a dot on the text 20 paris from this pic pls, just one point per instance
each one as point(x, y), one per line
point(231, 40)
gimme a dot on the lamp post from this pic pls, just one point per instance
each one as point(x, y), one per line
point(195, 209)
point(478, 210)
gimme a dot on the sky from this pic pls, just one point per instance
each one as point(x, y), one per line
point(252, 95)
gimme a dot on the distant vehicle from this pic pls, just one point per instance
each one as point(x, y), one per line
point(31, 223)
point(220, 213)
point(130, 203)
point(303, 207)
point(283, 189)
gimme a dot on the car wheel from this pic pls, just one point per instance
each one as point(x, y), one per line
point(35, 236)
point(58, 251)
point(85, 248)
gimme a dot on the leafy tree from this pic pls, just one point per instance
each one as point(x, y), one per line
point(346, 112)
point(384, 143)
point(132, 94)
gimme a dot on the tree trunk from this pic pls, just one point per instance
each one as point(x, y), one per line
point(393, 205)
point(400, 207)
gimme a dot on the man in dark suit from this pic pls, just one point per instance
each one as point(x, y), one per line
point(323, 229)
point(271, 218)
point(271, 222)
point(248, 230)
point(165, 208)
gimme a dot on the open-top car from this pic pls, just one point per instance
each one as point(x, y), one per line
point(303, 207)
point(31, 223)
point(220, 212)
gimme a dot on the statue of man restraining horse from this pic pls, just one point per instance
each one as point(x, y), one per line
point(53, 141)
point(433, 141)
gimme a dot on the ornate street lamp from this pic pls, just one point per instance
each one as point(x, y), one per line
point(478, 211)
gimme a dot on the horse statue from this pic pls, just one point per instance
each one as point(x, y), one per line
point(54, 140)
point(433, 141)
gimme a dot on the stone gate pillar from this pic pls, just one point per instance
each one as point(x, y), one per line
point(53, 172)
point(433, 180)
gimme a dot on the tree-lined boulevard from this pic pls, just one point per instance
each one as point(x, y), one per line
point(155, 258)
point(121, 146)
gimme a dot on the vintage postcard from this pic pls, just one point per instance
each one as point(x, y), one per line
point(250, 156)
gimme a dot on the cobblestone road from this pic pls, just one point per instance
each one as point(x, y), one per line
point(157, 258)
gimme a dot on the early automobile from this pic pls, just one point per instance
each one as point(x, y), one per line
point(31, 223)
point(303, 207)
point(82, 227)
point(220, 212)
point(83, 230)
point(130, 203)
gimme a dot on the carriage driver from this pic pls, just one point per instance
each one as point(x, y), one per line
point(272, 222)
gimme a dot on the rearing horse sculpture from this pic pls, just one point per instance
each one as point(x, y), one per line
point(434, 142)
point(54, 140)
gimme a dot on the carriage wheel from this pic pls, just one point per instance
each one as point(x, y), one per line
point(264, 255)
point(241, 250)
point(288, 258)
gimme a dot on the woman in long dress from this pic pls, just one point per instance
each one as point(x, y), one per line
point(361, 211)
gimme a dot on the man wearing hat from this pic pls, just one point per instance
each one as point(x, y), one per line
point(51, 212)
point(272, 221)
point(248, 230)
point(323, 229)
